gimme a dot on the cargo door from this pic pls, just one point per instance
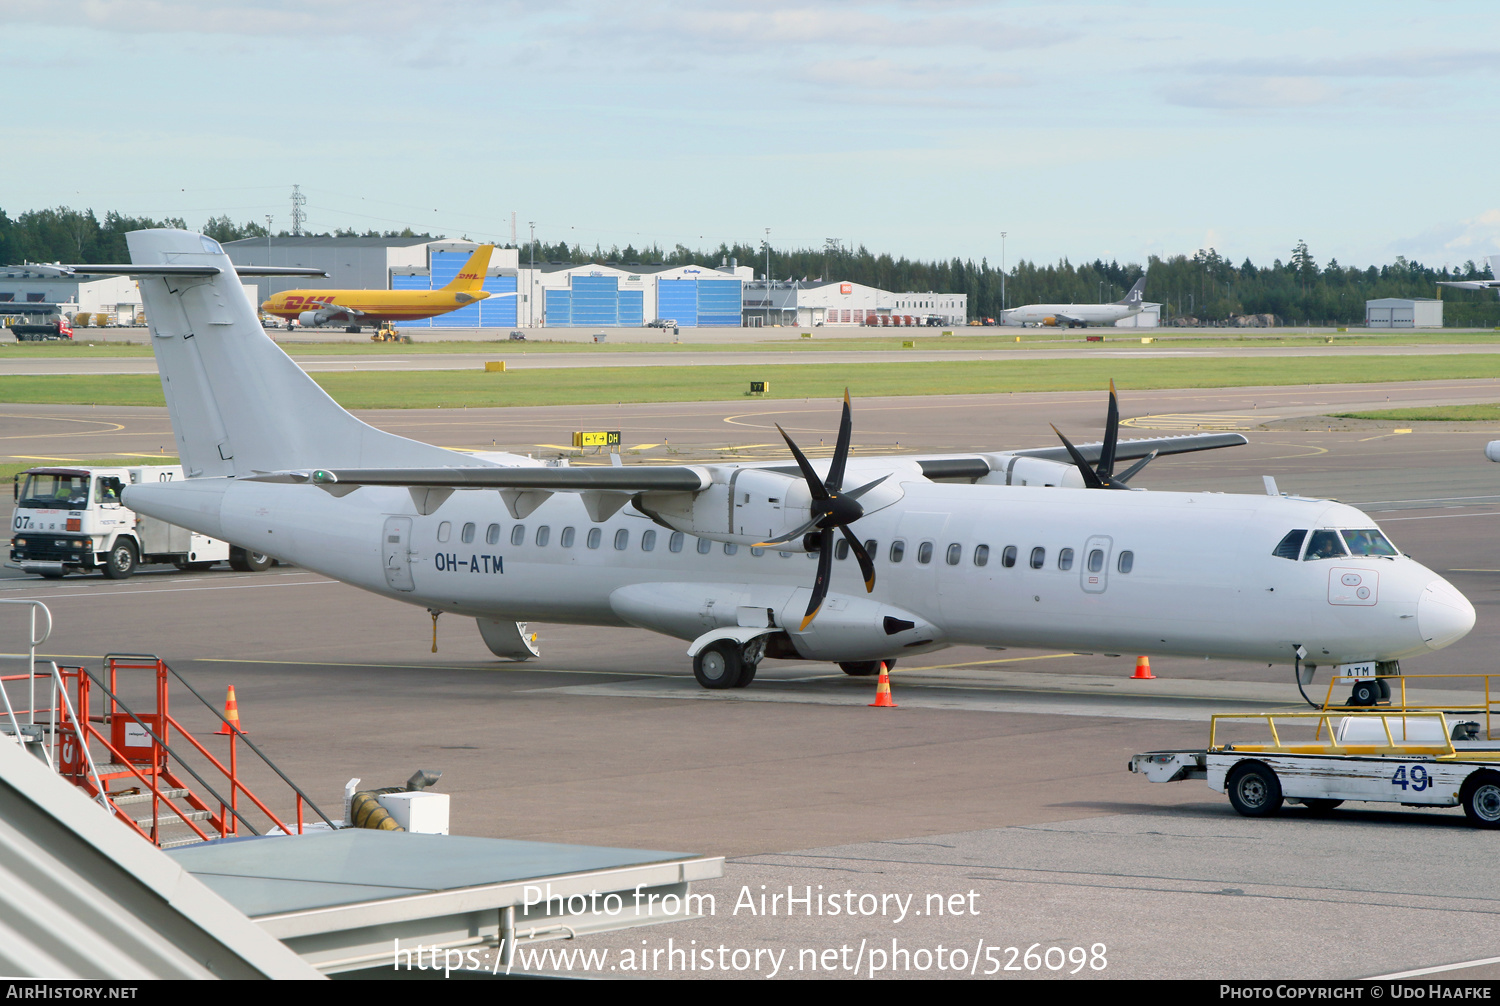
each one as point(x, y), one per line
point(396, 549)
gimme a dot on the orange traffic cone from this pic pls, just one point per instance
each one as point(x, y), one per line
point(883, 690)
point(232, 714)
point(1143, 670)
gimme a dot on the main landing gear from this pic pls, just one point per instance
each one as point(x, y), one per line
point(727, 663)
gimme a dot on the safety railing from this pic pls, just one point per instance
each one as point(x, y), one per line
point(1401, 687)
point(1400, 731)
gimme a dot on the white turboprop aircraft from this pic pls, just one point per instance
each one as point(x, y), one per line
point(1004, 549)
point(1082, 315)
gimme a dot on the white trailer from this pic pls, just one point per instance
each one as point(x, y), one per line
point(71, 520)
point(1411, 758)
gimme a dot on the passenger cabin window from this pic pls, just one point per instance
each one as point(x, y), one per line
point(730, 548)
point(841, 549)
point(595, 536)
point(924, 552)
point(445, 531)
point(622, 539)
point(467, 534)
point(757, 551)
point(1290, 546)
point(955, 554)
point(898, 550)
point(1008, 557)
point(674, 543)
point(648, 540)
point(704, 546)
point(1096, 560)
point(872, 548)
point(543, 535)
point(518, 534)
point(1324, 545)
point(492, 534)
point(1038, 557)
point(1370, 542)
point(981, 555)
point(566, 538)
point(1065, 559)
point(1126, 562)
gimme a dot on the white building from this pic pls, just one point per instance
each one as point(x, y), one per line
point(1150, 317)
point(47, 289)
point(843, 304)
point(1401, 312)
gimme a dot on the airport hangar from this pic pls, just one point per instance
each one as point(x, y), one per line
point(563, 295)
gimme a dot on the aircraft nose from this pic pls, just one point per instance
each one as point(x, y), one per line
point(1444, 615)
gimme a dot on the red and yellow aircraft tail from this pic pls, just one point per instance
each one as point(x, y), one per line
point(471, 276)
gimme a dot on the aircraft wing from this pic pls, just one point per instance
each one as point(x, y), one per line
point(693, 478)
point(1471, 284)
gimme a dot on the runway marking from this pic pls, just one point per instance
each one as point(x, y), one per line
point(520, 666)
point(41, 457)
point(1440, 968)
point(1383, 436)
point(978, 663)
point(1432, 499)
point(170, 590)
point(1474, 570)
point(1190, 421)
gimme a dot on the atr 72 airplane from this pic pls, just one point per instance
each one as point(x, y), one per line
point(1081, 315)
point(850, 560)
point(355, 308)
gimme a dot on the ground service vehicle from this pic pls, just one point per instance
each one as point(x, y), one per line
point(42, 331)
point(71, 520)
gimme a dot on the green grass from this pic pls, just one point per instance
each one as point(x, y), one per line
point(602, 385)
point(785, 342)
point(1433, 414)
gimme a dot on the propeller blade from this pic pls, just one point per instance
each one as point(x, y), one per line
point(1111, 434)
point(820, 585)
point(815, 484)
point(807, 528)
point(866, 566)
point(1134, 469)
point(841, 452)
point(1091, 479)
point(855, 494)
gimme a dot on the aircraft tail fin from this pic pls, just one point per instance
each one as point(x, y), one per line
point(1495, 266)
point(1136, 296)
point(470, 278)
point(238, 404)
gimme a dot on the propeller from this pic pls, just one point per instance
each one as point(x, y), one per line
point(833, 510)
point(1104, 477)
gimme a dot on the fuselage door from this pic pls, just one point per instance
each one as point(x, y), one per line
point(1095, 564)
point(396, 550)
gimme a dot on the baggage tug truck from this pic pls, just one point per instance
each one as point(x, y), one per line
point(71, 520)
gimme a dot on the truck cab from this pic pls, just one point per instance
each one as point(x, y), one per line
point(71, 520)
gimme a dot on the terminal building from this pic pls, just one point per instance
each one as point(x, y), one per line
point(818, 302)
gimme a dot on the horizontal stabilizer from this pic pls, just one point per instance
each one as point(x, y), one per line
point(191, 270)
point(626, 478)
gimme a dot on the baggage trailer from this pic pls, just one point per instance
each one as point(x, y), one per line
point(1411, 757)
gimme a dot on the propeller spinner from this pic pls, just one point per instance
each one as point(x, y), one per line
point(833, 510)
point(1104, 477)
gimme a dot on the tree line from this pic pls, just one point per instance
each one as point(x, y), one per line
point(1204, 286)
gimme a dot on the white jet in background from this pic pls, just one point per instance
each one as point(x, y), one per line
point(1082, 315)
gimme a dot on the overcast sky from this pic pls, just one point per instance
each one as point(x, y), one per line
point(1110, 130)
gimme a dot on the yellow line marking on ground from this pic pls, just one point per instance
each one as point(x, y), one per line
point(37, 457)
point(1384, 435)
point(977, 663)
point(521, 666)
point(1474, 570)
point(1192, 421)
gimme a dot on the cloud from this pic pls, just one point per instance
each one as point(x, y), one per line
point(324, 21)
point(1429, 62)
point(1454, 241)
point(1240, 94)
point(894, 75)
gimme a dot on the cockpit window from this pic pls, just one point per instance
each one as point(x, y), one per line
point(1370, 542)
point(1324, 545)
point(1291, 545)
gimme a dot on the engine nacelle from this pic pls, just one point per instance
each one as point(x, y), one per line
point(856, 628)
point(310, 319)
point(1492, 450)
point(1018, 470)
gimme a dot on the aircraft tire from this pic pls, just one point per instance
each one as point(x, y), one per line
point(1254, 790)
point(242, 560)
point(1480, 796)
point(747, 674)
point(1364, 693)
point(718, 665)
point(122, 560)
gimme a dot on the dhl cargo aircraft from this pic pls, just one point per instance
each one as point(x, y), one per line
point(354, 308)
